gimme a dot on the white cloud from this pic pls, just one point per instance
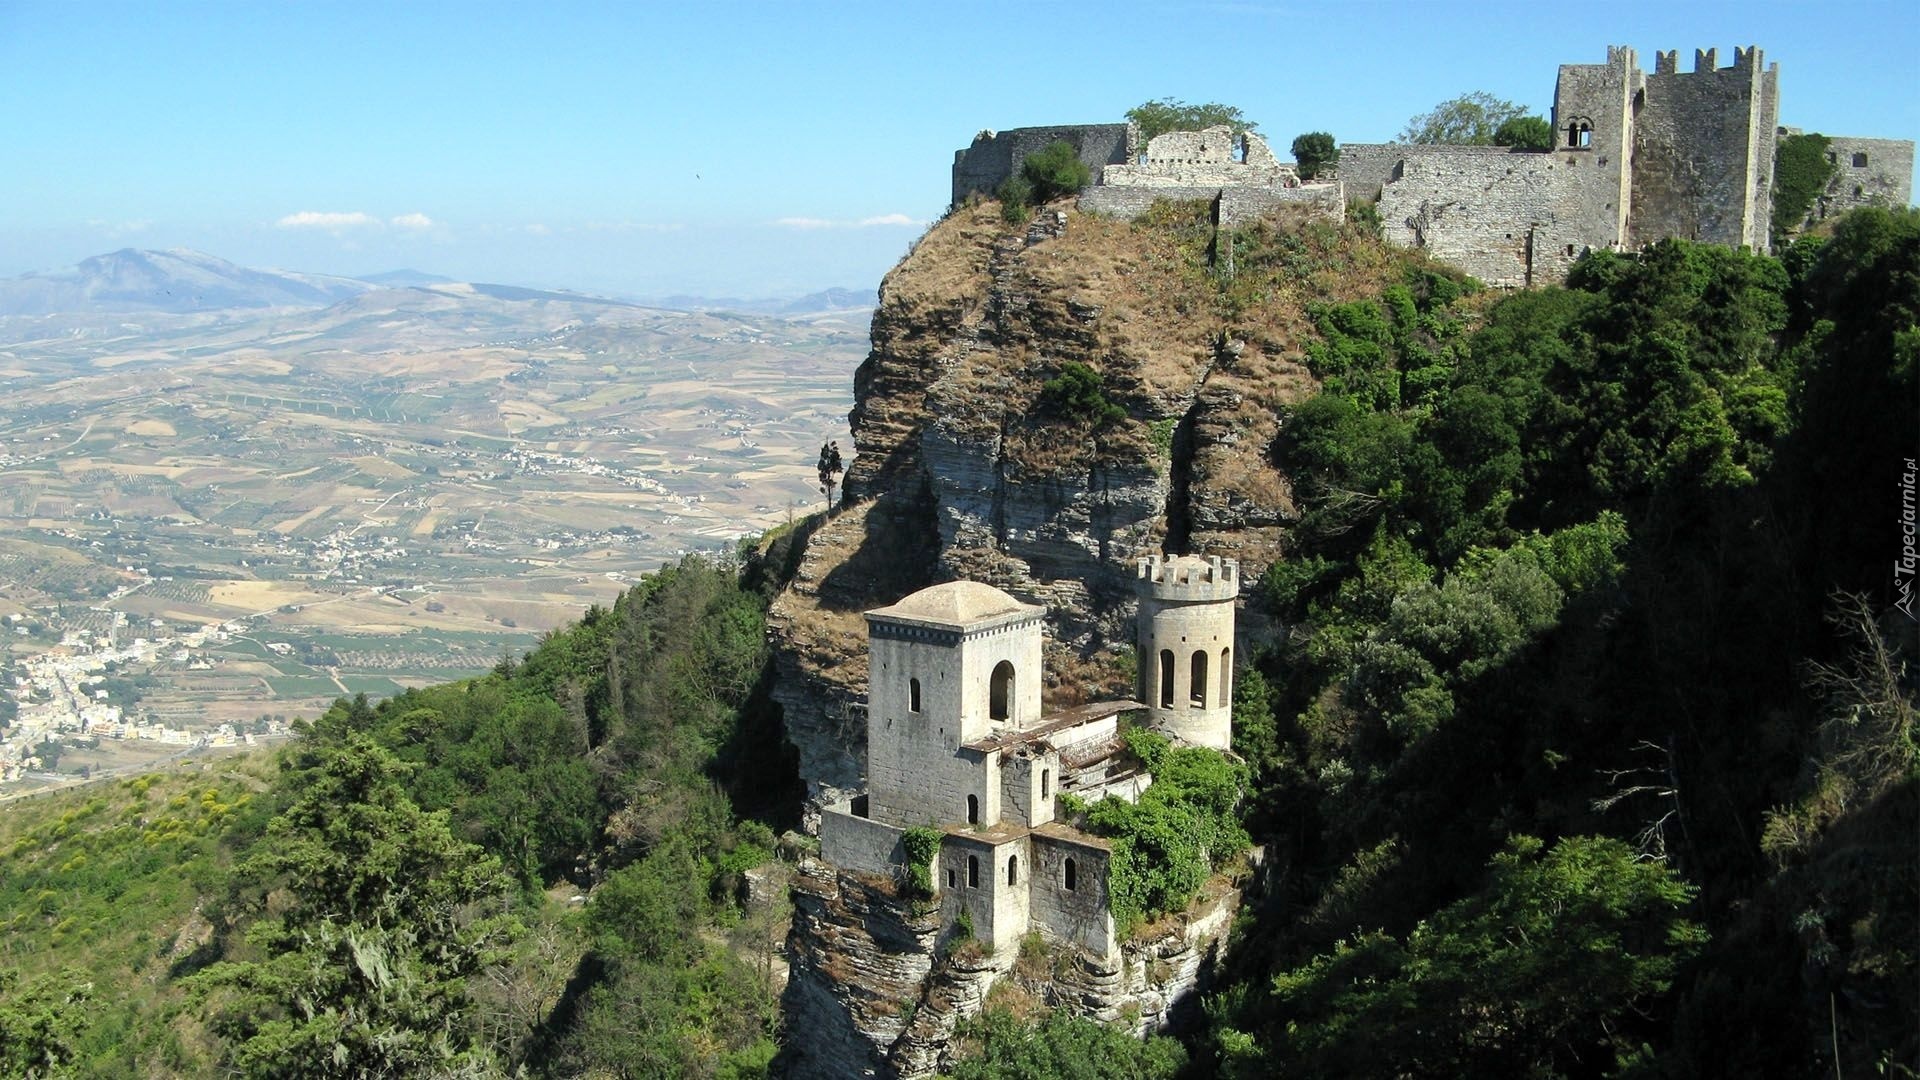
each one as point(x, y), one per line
point(324, 219)
point(413, 222)
point(538, 229)
point(880, 220)
point(632, 226)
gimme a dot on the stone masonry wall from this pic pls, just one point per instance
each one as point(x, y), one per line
point(857, 843)
point(1884, 176)
point(1238, 205)
point(995, 156)
point(1082, 915)
point(1699, 149)
point(1510, 218)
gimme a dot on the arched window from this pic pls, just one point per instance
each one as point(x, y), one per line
point(973, 872)
point(1166, 678)
point(1197, 683)
point(913, 695)
point(973, 810)
point(1000, 703)
point(1226, 670)
point(1046, 782)
point(1013, 869)
point(1072, 876)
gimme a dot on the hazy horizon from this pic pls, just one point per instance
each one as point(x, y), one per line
point(746, 150)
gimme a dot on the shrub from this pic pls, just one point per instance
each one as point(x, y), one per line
point(1016, 200)
point(1312, 151)
point(921, 843)
point(1079, 393)
point(1524, 133)
point(1055, 172)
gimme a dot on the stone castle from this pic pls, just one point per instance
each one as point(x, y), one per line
point(957, 740)
point(1639, 157)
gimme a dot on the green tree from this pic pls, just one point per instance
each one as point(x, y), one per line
point(1171, 114)
point(1055, 172)
point(364, 963)
point(1524, 133)
point(41, 1020)
point(1525, 978)
point(1313, 151)
point(1470, 119)
point(1005, 1048)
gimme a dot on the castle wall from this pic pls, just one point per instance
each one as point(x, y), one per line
point(993, 157)
point(1884, 178)
point(973, 876)
point(1367, 167)
point(1082, 915)
point(1187, 611)
point(1702, 159)
point(1593, 116)
point(1022, 801)
point(1510, 218)
point(1238, 205)
point(857, 843)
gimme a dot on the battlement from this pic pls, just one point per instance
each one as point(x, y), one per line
point(1705, 61)
point(1188, 577)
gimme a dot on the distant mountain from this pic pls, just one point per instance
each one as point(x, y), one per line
point(176, 280)
point(834, 299)
point(400, 279)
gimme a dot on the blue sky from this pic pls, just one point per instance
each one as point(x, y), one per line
point(738, 149)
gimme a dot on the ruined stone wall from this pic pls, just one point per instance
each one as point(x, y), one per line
point(857, 843)
point(1238, 205)
point(1510, 218)
point(1702, 159)
point(1366, 167)
point(995, 156)
point(1867, 172)
point(1083, 915)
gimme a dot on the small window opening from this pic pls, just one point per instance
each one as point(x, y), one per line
point(973, 872)
point(1859, 161)
point(973, 810)
point(1569, 251)
point(1858, 191)
point(1833, 157)
point(1013, 869)
point(1000, 705)
point(913, 695)
point(1586, 137)
point(951, 878)
point(1197, 684)
point(1046, 782)
point(1072, 876)
point(1166, 678)
point(1226, 671)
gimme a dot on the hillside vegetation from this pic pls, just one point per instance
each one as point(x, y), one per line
point(1579, 732)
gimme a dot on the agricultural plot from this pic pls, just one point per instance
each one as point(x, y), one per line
point(392, 492)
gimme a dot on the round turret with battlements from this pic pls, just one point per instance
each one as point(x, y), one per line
point(1185, 638)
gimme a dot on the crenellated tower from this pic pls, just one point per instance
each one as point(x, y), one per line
point(1185, 635)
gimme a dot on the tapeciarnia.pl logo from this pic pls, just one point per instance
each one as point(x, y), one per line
point(1903, 566)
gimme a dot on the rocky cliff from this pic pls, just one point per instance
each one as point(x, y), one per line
point(964, 470)
point(970, 466)
point(877, 993)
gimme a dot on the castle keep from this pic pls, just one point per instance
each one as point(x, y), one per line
point(1638, 157)
point(957, 740)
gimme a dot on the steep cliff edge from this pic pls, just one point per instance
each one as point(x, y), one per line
point(963, 468)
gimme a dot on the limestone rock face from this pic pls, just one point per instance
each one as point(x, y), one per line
point(876, 994)
point(967, 467)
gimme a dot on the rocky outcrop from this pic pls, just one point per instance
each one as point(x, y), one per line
point(877, 994)
point(967, 466)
